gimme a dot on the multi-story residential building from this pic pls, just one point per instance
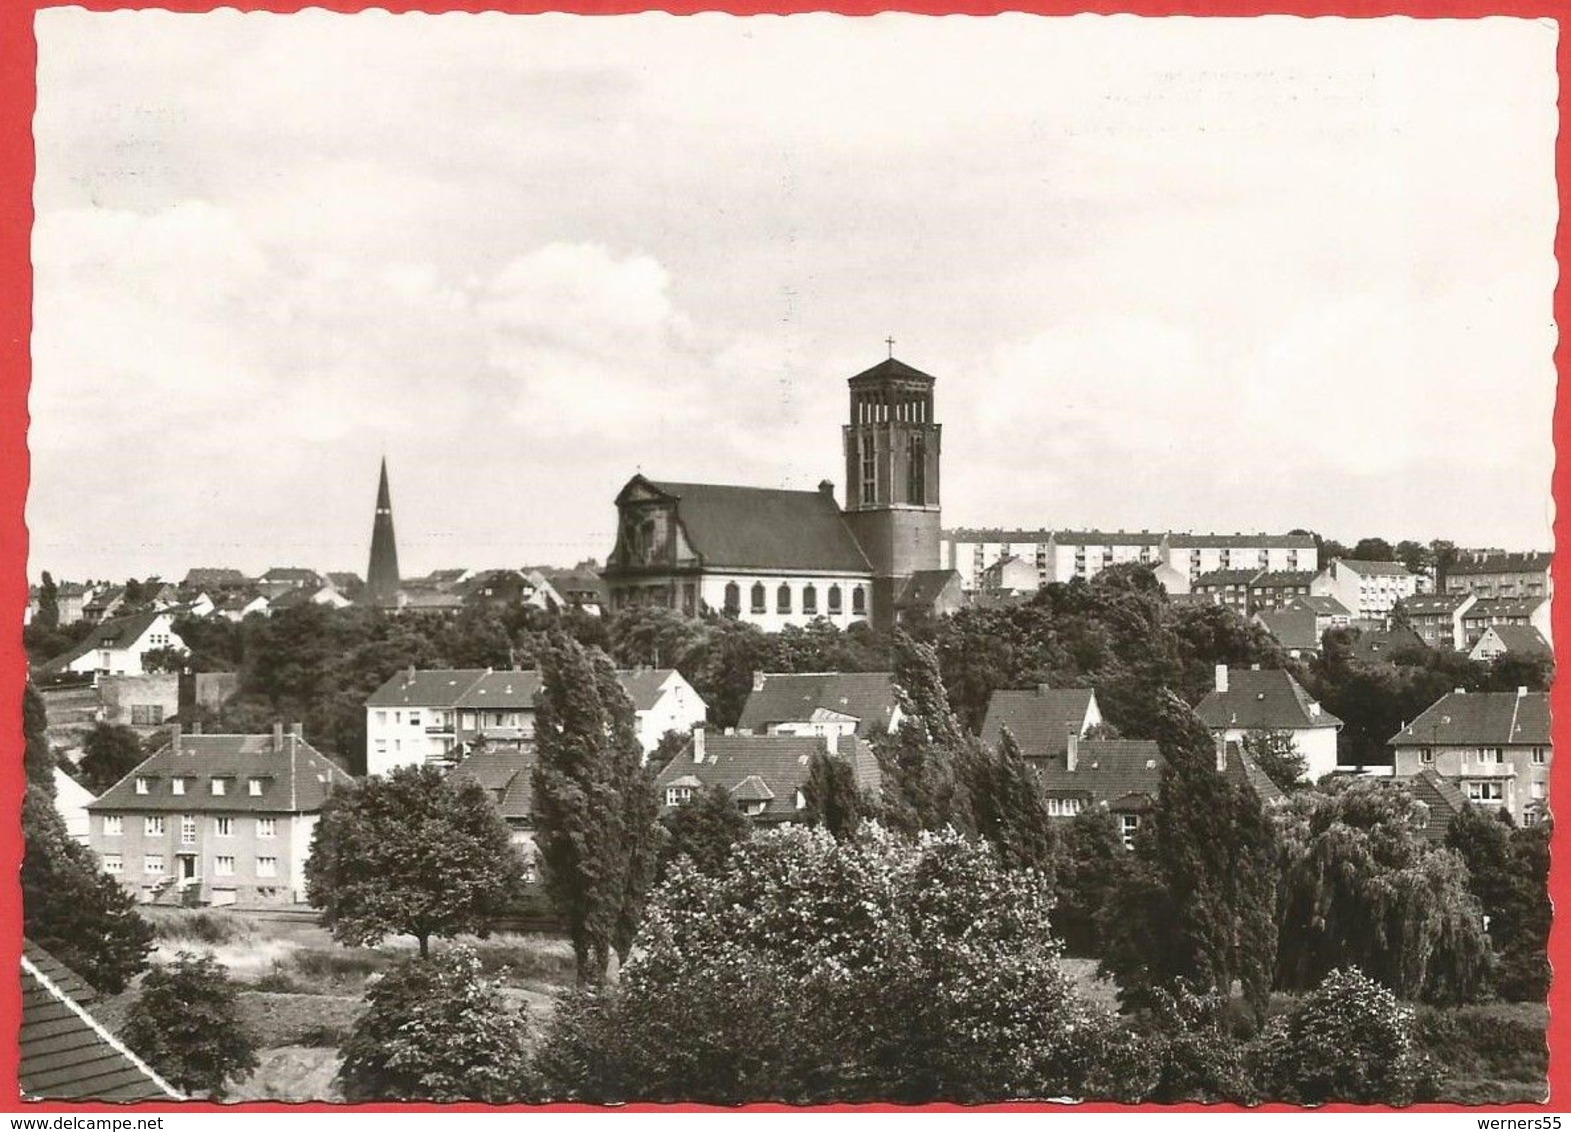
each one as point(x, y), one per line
point(1369, 589)
point(439, 715)
point(1277, 589)
point(1229, 587)
point(820, 703)
point(1329, 612)
point(1502, 575)
point(1194, 554)
point(1492, 611)
point(1437, 618)
point(1271, 700)
point(1055, 556)
point(116, 647)
point(216, 819)
point(1495, 746)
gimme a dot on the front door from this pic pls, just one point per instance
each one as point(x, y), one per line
point(187, 867)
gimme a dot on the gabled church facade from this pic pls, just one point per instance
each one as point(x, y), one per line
point(776, 558)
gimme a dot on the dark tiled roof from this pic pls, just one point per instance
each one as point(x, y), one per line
point(1530, 563)
point(1488, 608)
point(417, 599)
point(790, 697)
point(116, 633)
point(780, 763)
point(1372, 569)
point(296, 778)
point(1062, 538)
point(1225, 578)
point(1292, 628)
point(109, 597)
point(892, 368)
point(65, 1053)
point(1244, 771)
point(577, 582)
point(1480, 719)
point(295, 574)
point(1375, 646)
point(1284, 578)
point(431, 687)
point(765, 528)
point(1442, 797)
point(1434, 603)
point(925, 587)
point(1262, 700)
point(1322, 604)
point(644, 685)
point(1040, 719)
point(294, 597)
point(507, 690)
point(1522, 639)
point(1243, 542)
point(204, 577)
point(1118, 773)
point(506, 770)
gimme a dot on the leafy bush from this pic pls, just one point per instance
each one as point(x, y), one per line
point(338, 964)
point(211, 928)
point(813, 970)
point(1347, 1040)
point(1501, 1041)
point(436, 1031)
point(187, 1024)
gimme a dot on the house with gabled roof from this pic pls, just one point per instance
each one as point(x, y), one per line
point(105, 602)
point(213, 578)
point(1510, 640)
point(1271, 700)
point(67, 1054)
point(1488, 612)
point(764, 774)
point(1441, 797)
point(216, 819)
point(116, 647)
point(1293, 629)
point(505, 771)
point(821, 703)
point(1041, 719)
point(1495, 746)
point(1437, 618)
point(1122, 776)
point(1381, 646)
point(292, 576)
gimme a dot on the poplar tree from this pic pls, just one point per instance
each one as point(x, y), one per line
point(920, 763)
point(831, 796)
point(1008, 806)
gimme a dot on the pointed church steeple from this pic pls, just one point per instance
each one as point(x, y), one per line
point(381, 577)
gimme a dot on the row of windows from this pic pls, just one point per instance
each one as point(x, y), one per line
point(153, 826)
point(783, 599)
point(1494, 755)
point(218, 786)
point(153, 865)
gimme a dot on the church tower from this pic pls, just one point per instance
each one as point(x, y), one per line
point(381, 577)
point(891, 451)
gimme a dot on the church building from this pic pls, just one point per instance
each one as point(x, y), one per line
point(776, 558)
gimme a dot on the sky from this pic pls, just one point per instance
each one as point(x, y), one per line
point(1187, 274)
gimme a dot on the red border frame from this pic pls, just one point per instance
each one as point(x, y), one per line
point(18, 66)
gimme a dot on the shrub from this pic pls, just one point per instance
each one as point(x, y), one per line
point(436, 1030)
point(211, 928)
point(186, 1023)
point(1347, 1040)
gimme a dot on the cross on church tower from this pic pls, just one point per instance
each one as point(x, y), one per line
point(890, 342)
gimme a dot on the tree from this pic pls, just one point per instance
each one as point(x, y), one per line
point(1508, 872)
point(1199, 902)
point(187, 1024)
point(704, 829)
point(37, 760)
point(831, 795)
point(109, 753)
point(1372, 550)
point(921, 788)
point(1348, 1040)
point(1361, 888)
point(813, 969)
point(75, 912)
point(48, 615)
point(436, 1031)
point(590, 809)
point(671, 744)
point(1008, 807)
point(414, 853)
point(167, 659)
point(1090, 866)
point(1275, 753)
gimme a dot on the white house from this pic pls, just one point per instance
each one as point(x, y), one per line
point(1256, 700)
point(1370, 590)
point(71, 802)
point(116, 647)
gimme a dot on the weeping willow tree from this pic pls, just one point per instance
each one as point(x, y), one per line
point(1361, 887)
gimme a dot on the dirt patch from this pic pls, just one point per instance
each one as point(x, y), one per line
point(299, 1019)
point(291, 1073)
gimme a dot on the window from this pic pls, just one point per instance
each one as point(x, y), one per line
point(783, 599)
point(381, 716)
point(219, 787)
point(916, 472)
point(733, 599)
point(1538, 790)
point(1538, 756)
point(801, 800)
point(141, 786)
point(1128, 824)
point(188, 829)
point(834, 599)
point(113, 863)
point(223, 827)
point(869, 471)
point(114, 825)
point(859, 601)
point(1494, 755)
point(809, 599)
point(224, 866)
point(179, 785)
point(147, 715)
point(1426, 754)
point(267, 866)
point(153, 864)
point(253, 786)
point(753, 809)
point(414, 719)
point(266, 827)
point(153, 827)
point(398, 717)
point(677, 795)
point(1488, 790)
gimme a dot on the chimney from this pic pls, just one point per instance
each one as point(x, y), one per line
point(826, 489)
point(1221, 753)
point(409, 675)
point(1042, 689)
point(297, 730)
point(698, 744)
point(174, 740)
point(1221, 678)
point(1521, 690)
point(196, 728)
point(758, 681)
point(1072, 751)
point(278, 736)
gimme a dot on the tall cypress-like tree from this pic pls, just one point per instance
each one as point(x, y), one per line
point(1008, 806)
point(48, 615)
point(831, 796)
point(640, 808)
point(922, 786)
point(36, 759)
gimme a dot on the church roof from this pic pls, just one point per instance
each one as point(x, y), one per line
point(892, 368)
point(761, 528)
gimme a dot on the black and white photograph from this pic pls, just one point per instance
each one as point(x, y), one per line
point(793, 559)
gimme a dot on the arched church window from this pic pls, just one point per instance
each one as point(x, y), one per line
point(859, 601)
point(758, 598)
point(809, 599)
point(834, 599)
point(733, 599)
point(783, 599)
